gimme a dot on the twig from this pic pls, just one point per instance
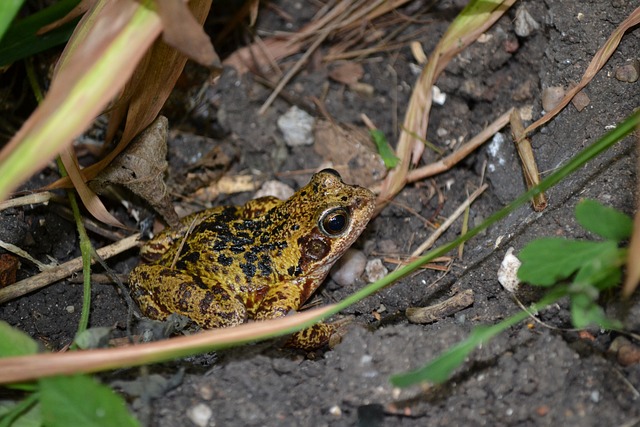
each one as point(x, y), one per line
point(294, 70)
point(436, 234)
point(52, 275)
point(24, 254)
point(441, 310)
point(29, 199)
point(453, 158)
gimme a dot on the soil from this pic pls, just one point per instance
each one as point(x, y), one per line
point(530, 375)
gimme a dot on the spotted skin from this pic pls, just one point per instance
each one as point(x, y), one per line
point(258, 261)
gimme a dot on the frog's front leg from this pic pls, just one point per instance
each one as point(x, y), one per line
point(160, 291)
point(278, 302)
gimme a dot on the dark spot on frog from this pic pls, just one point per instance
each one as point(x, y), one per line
point(199, 283)
point(249, 270)
point(225, 260)
point(265, 266)
point(191, 257)
point(237, 249)
point(294, 271)
point(184, 295)
point(344, 198)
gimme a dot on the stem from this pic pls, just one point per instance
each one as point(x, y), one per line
point(85, 244)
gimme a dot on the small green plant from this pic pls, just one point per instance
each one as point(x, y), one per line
point(384, 149)
point(579, 269)
point(76, 400)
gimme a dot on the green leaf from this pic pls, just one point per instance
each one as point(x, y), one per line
point(586, 312)
point(14, 342)
point(25, 413)
point(440, 369)
point(20, 40)
point(548, 260)
point(384, 149)
point(604, 221)
point(8, 10)
point(81, 401)
point(603, 272)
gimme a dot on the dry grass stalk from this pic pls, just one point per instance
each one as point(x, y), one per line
point(529, 165)
point(462, 32)
point(445, 225)
point(599, 59)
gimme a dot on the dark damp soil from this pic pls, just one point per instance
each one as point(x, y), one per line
point(529, 375)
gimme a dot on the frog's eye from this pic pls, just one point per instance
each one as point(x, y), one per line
point(334, 222)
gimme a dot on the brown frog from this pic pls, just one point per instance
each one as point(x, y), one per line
point(226, 265)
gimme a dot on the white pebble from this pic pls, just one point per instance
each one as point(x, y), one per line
point(274, 188)
point(349, 267)
point(525, 24)
point(200, 414)
point(375, 270)
point(508, 271)
point(296, 126)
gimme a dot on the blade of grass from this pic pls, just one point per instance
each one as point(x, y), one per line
point(440, 369)
point(633, 266)
point(8, 11)
point(21, 39)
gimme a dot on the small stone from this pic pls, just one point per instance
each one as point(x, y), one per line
point(526, 112)
point(524, 24)
point(206, 392)
point(438, 96)
point(335, 411)
point(581, 100)
point(296, 126)
point(70, 309)
point(274, 188)
point(551, 97)
point(629, 72)
point(375, 270)
point(200, 414)
point(349, 267)
point(508, 271)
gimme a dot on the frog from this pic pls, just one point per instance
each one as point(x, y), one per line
point(229, 265)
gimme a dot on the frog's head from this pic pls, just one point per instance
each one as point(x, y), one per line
point(324, 218)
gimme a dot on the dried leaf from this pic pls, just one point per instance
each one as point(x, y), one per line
point(141, 167)
point(90, 200)
point(350, 151)
point(347, 73)
point(528, 160)
point(145, 94)
point(9, 265)
point(633, 266)
point(183, 32)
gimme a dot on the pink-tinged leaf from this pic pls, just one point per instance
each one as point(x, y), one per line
point(94, 72)
point(90, 199)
